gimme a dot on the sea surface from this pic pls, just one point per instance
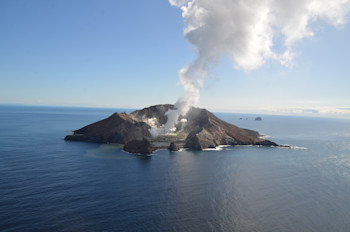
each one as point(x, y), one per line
point(48, 184)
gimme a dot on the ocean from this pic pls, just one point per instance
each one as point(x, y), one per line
point(48, 184)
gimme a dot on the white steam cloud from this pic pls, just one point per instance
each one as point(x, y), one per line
point(247, 32)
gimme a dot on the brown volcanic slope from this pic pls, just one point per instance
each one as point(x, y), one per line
point(117, 128)
point(205, 130)
point(202, 130)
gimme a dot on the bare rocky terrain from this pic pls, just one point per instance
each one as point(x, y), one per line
point(199, 129)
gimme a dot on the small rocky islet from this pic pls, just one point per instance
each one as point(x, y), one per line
point(200, 130)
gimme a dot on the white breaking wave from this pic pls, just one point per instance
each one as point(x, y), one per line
point(218, 148)
point(287, 146)
point(265, 136)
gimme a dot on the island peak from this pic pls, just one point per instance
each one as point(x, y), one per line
point(198, 129)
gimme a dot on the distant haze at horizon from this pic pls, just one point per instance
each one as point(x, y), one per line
point(128, 55)
point(326, 112)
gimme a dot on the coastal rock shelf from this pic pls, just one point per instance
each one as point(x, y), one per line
point(199, 129)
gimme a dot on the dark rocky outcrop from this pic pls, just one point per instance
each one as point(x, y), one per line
point(143, 147)
point(258, 119)
point(199, 131)
point(174, 147)
point(267, 143)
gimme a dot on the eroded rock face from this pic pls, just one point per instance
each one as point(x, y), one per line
point(201, 130)
point(118, 128)
point(174, 147)
point(143, 147)
point(267, 143)
point(157, 112)
point(208, 131)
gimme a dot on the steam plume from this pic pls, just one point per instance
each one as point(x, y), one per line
point(245, 31)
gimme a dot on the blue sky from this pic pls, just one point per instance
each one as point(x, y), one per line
point(128, 54)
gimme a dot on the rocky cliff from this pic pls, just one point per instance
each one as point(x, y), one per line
point(117, 128)
point(199, 129)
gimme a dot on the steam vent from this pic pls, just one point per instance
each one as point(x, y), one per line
point(143, 131)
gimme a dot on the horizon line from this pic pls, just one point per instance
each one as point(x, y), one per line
point(291, 111)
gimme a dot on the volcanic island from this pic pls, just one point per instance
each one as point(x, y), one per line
point(199, 129)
